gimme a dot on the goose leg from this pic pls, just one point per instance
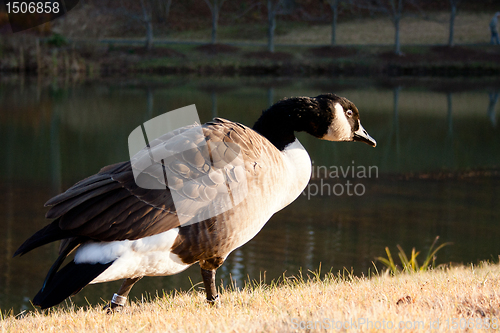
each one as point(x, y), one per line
point(208, 268)
point(120, 298)
point(209, 282)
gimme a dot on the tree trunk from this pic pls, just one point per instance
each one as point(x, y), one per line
point(398, 13)
point(271, 17)
point(167, 8)
point(334, 4)
point(161, 9)
point(147, 20)
point(215, 18)
point(397, 44)
point(149, 35)
point(452, 22)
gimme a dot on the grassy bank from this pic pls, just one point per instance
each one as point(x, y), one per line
point(449, 299)
point(98, 60)
point(433, 28)
point(364, 49)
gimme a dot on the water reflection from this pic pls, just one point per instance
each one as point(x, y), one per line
point(270, 96)
point(492, 107)
point(213, 96)
point(150, 101)
point(430, 137)
point(449, 99)
point(55, 153)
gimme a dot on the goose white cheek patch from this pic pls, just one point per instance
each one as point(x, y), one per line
point(204, 179)
point(340, 129)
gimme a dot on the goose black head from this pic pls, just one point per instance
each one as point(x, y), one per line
point(343, 120)
point(328, 117)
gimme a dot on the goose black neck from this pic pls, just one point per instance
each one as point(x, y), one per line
point(281, 120)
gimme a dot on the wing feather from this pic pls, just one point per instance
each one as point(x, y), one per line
point(67, 201)
point(111, 206)
point(81, 214)
point(77, 191)
point(91, 227)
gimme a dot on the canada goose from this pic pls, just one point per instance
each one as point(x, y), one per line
point(122, 231)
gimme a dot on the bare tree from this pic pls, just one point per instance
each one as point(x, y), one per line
point(147, 20)
point(392, 8)
point(272, 10)
point(161, 9)
point(453, 5)
point(137, 11)
point(215, 6)
point(395, 11)
point(334, 5)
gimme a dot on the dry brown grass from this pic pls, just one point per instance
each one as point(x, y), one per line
point(469, 295)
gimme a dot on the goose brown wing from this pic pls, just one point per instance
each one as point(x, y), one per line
point(111, 206)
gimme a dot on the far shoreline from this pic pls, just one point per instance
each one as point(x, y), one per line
point(35, 56)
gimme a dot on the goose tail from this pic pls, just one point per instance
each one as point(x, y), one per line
point(68, 281)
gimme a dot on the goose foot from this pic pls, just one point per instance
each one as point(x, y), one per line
point(214, 301)
point(116, 305)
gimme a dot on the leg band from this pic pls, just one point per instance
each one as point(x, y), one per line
point(119, 300)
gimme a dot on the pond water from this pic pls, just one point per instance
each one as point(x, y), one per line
point(434, 172)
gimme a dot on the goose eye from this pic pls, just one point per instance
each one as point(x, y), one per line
point(349, 113)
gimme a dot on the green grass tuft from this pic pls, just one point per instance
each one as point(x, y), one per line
point(411, 265)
